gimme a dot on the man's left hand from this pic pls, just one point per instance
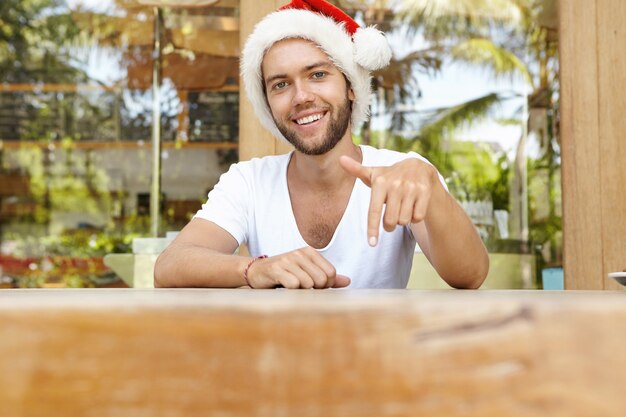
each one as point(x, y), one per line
point(404, 189)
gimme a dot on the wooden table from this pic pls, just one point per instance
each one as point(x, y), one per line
point(124, 352)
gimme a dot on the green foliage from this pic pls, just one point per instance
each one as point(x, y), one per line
point(444, 122)
point(476, 174)
point(544, 197)
point(500, 187)
point(432, 139)
point(445, 19)
point(72, 259)
point(89, 243)
point(33, 35)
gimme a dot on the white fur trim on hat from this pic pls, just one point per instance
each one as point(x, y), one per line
point(351, 58)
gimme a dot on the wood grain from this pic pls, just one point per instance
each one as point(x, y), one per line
point(592, 48)
point(312, 353)
point(612, 131)
point(580, 145)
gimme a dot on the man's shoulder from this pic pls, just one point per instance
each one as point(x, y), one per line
point(264, 161)
point(266, 165)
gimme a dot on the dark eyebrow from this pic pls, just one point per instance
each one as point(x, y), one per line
point(274, 77)
point(321, 64)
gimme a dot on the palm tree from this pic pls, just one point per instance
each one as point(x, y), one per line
point(454, 31)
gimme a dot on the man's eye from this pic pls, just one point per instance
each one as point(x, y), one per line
point(319, 74)
point(279, 85)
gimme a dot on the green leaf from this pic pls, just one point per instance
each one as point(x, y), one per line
point(484, 53)
point(448, 120)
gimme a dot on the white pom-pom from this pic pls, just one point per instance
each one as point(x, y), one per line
point(371, 49)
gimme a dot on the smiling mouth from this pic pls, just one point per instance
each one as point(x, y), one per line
point(309, 119)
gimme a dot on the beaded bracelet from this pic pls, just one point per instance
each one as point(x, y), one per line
point(245, 271)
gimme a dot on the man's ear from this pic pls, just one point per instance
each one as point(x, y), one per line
point(351, 95)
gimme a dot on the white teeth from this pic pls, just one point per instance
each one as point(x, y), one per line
point(309, 119)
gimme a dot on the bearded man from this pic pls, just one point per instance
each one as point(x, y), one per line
point(330, 213)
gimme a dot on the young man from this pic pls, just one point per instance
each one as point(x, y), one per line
point(329, 214)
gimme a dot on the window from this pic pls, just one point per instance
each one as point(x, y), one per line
point(76, 125)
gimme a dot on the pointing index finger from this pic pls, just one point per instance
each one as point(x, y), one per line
point(377, 201)
point(355, 169)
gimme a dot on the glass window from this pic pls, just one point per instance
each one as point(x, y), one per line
point(76, 126)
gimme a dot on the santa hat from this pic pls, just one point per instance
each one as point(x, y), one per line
point(356, 51)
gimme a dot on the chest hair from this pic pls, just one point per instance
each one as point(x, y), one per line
point(318, 218)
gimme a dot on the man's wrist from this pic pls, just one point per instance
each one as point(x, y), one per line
point(246, 277)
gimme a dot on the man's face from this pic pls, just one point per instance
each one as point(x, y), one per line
point(308, 96)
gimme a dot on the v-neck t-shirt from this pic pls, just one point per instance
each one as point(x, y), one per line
point(251, 202)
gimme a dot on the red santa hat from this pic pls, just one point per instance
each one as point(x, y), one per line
point(356, 51)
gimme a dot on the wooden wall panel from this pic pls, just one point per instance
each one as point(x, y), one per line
point(612, 132)
point(593, 129)
point(580, 145)
point(254, 140)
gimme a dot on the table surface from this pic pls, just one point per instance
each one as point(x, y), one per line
point(198, 352)
point(296, 299)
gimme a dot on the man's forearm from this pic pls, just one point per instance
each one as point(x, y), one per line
point(188, 265)
point(455, 248)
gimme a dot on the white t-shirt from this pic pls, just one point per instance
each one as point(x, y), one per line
point(251, 202)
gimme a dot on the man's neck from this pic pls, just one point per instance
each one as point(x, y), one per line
point(323, 172)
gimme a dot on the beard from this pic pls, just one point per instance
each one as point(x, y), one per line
point(336, 129)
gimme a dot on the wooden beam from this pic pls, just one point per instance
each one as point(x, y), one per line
point(580, 145)
point(592, 48)
point(611, 18)
point(254, 140)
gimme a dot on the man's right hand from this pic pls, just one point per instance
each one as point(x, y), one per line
point(301, 268)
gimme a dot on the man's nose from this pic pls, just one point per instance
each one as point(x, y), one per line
point(303, 93)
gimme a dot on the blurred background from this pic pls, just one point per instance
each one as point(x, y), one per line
point(473, 87)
